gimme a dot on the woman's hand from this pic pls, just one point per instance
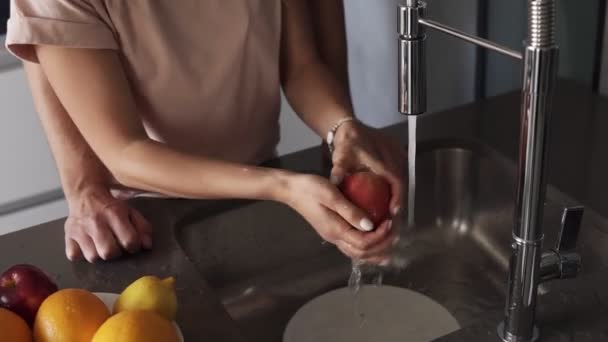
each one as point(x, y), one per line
point(337, 220)
point(358, 147)
point(100, 226)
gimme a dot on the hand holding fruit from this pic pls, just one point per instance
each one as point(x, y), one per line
point(368, 167)
point(361, 148)
point(370, 192)
point(336, 219)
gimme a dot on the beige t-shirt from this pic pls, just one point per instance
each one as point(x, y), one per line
point(205, 73)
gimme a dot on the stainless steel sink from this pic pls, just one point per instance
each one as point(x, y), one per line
point(266, 262)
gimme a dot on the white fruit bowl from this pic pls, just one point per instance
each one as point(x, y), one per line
point(109, 298)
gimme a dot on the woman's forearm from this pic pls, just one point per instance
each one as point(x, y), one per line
point(152, 166)
point(108, 118)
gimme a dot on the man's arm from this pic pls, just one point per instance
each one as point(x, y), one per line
point(78, 166)
point(98, 225)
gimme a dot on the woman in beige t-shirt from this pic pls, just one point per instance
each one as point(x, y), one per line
point(181, 98)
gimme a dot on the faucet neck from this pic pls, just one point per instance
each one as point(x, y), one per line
point(539, 74)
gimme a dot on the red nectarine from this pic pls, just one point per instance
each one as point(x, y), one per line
point(370, 192)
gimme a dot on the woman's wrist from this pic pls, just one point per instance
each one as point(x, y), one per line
point(278, 186)
point(348, 131)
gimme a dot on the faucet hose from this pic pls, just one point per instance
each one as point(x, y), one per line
point(541, 23)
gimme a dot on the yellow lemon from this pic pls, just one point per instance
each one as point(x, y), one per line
point(136, 326)
point(13, 328)
point(70, 315)
point(149, 293)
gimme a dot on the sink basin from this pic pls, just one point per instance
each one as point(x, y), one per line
point(265, 261)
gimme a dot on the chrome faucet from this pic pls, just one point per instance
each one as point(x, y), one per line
point(528, 265)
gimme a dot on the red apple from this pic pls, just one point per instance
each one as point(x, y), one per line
point(370, 192)
point(23, 288)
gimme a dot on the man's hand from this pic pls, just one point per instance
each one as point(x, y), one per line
point(100, 226)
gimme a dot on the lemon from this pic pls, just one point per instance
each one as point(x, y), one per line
point(136, 326)
point(149, 293)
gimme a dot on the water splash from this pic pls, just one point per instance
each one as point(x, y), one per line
point(411, 151)
point(361, 273)
point(354, 284)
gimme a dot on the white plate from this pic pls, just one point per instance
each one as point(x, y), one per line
point(109, 298)
point(396, 314)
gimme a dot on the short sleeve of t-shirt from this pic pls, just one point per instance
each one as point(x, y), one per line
point(65, 23)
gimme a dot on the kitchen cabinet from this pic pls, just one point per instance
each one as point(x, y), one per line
point(27, 168)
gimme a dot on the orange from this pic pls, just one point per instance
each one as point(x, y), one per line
point(13, 328)
point(136, 326)
point(70, 315)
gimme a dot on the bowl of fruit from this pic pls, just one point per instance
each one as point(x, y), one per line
point(33, 308)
